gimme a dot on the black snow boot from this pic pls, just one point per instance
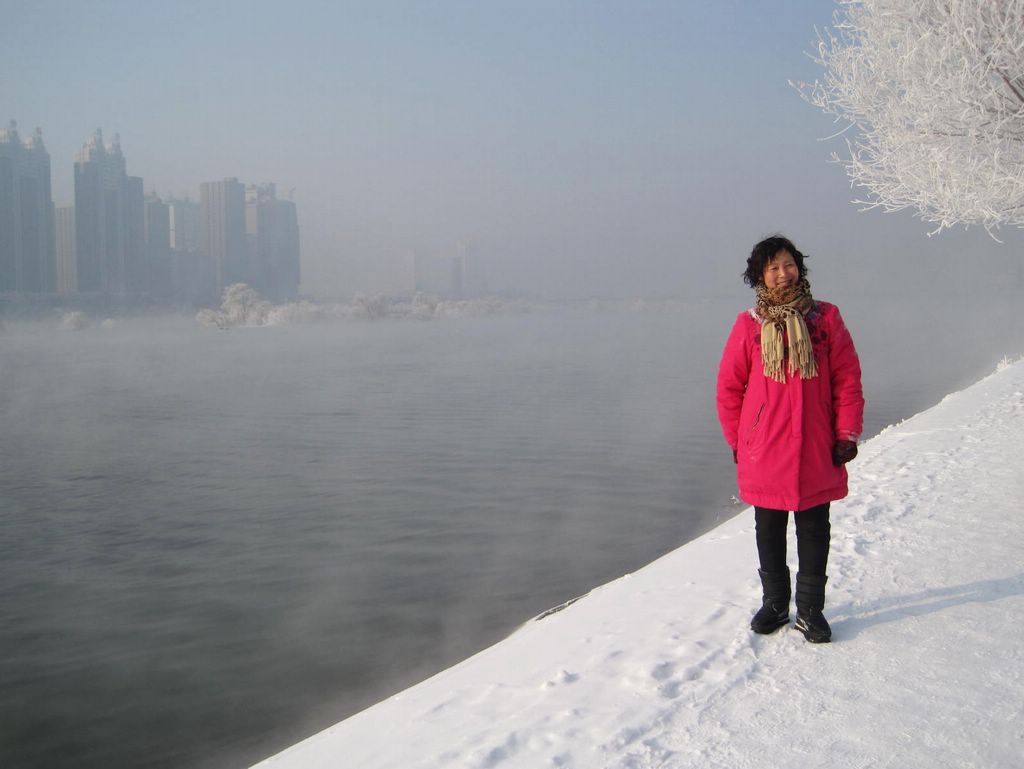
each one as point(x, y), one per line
point(774, 612)
point(810, 600)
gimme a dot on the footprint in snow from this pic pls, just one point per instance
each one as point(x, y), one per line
point(663, 671)
point(563, 677)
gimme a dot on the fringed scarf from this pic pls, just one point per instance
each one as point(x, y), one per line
point(782, 312)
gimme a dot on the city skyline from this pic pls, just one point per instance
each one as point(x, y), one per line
point(118, 241)
point(457, 274)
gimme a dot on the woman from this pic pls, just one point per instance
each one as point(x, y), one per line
point(791, 407)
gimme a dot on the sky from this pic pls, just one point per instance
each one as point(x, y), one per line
point(577, 149)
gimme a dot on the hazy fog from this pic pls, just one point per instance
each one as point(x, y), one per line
point(179, 497)
point(580, 148)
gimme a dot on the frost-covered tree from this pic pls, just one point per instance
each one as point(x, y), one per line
point(932, 92)
point(240, 306)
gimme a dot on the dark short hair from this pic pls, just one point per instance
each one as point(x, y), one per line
point(764, 252)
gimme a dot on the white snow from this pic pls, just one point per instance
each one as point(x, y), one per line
point(659, 668)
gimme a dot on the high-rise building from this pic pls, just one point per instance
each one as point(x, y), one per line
point(137, 261)
point(109, 221)
point(158, 226)
point(222, 239)
point(158, 247)
point(27, 247)
point(272, 228)
point(67, 281)
point(184, 224)
point(193, 273)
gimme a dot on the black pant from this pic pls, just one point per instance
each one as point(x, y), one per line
point(813, 532)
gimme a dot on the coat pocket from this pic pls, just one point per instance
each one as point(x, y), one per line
point(755, 436)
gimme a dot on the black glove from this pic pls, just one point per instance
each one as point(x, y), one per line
point(843, 452)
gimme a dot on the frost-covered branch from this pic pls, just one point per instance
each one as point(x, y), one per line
point(934, 93)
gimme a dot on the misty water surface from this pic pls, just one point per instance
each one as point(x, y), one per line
point(215, 543)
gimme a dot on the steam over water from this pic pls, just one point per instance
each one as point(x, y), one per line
point(215, 543)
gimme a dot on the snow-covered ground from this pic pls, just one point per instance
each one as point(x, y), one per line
point(659, 669)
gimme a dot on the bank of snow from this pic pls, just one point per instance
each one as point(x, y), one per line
point(658, 669)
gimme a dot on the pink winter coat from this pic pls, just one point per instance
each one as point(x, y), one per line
point(783, 433)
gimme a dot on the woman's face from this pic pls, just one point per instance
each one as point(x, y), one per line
point(781, 271)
